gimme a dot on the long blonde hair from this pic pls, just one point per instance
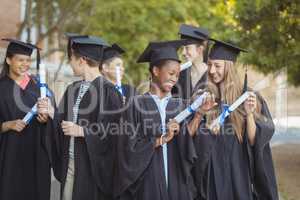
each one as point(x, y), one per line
point(231, 89)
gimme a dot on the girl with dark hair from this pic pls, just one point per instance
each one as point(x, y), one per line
point(155, 153)
point(25, 149)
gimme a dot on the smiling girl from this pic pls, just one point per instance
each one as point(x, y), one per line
point(24, 153)
point(234, 160)
point(156, 153)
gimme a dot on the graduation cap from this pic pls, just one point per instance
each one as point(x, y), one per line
point(91, 47)
point(70, 37)
point(19, 47)
point(193, 34)
point(113, 51)
point(227, 51)
point(158, 51)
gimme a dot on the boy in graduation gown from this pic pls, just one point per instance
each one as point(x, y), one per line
point(84, 121)
point(194, 78)
point(112, 59)
point(155, 153)
point(25, 149)
point(234, 159)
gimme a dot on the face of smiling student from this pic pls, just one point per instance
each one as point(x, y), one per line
point(192, 52)
point(166, 74)
point(216, 69)
point(18, 64)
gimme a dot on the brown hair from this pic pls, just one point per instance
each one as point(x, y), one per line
point(90, 62)
point(232, 90)
point(5, 67)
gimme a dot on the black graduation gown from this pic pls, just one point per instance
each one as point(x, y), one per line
point(184, 88)
point(140, 169)
point(93, 154)
point(129, 91)
point(226, 169)
point(24, 157)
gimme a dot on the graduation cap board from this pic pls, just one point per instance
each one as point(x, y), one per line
point(193, 34)
point(113, 51)
point(158, 51)
point(19, 47)
point(91, 47)
point(225, 51)
point(70, 37)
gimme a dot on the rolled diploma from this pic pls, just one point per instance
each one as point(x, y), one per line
point(118, 79)
point(185, 65)
point(28, 117)
point(233, 106)
point(42, 74)
point(193, 107)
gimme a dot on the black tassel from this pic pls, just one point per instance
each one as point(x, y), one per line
point(206, 52)
point(38, 60)
point(69, 49)
point(245, 88)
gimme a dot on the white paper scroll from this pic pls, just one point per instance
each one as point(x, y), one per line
point(185, 65)
point(190, 109)
point(226, 113)
point(42, 74)
point(118, 79)
point(28, 117)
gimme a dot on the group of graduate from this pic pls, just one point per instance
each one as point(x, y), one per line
point(104, 142)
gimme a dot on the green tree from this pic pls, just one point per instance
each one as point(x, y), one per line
point(271, 30)
point(268, 28)
point(134, 23)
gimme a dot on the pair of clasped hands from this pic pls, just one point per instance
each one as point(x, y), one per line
point(44, 110)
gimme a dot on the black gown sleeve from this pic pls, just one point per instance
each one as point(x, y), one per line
point(262, 164)
point(1, 122)
point(135, 151)
point(186, 145)
point(54, 127)
point(204, 142)
point(130, 92)
point(49, 139)
point(100, 140)
point(188, 155)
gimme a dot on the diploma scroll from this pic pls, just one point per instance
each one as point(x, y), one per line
point(221, 118)
point(191, 109)
point(28, 117)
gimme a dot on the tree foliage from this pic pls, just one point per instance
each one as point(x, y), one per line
point(271, 30)
point(268, 28)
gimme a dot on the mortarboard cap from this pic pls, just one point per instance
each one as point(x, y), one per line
point(157, 51)
point(19, 47)
point(70, 37)
point(91, 47)
point(113, 51)
point(225, 51)
point(193, 34)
